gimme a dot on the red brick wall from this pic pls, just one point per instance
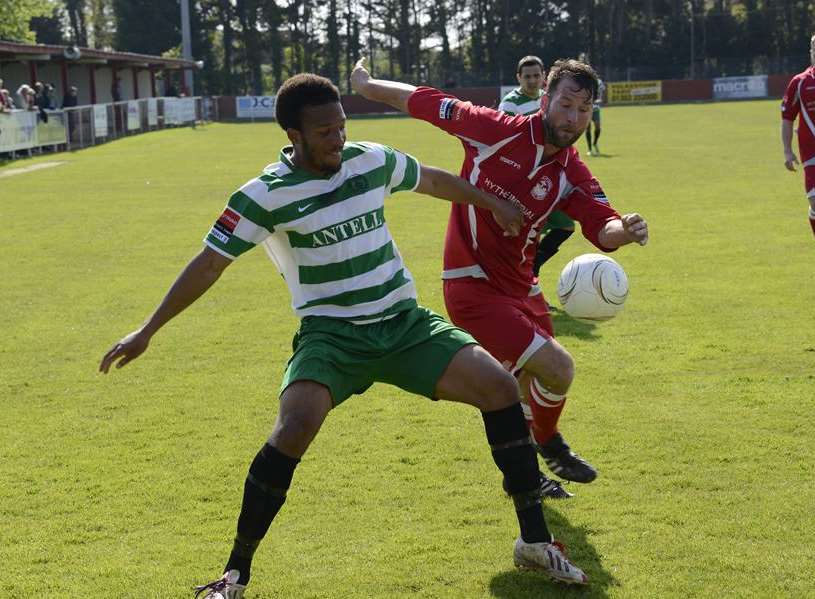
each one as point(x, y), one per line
point(226, 107)
point(673, 90)
point(777, 85)
point(484, 96)
point(354, 104)
point(681, 90)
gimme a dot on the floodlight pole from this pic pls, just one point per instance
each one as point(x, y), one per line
point(186, 44)
point(692, 43)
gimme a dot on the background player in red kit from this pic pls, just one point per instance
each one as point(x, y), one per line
point(488, 280)
point(800, 100)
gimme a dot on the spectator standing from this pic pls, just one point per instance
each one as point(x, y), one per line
point(70, 99)
point(41, 100)
point(116, 89)
point(27, 96)
point(6, 103)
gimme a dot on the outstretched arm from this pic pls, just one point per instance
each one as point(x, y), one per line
point(446, 186)
point(392, 93)
point(790, 160)
point(199, 275)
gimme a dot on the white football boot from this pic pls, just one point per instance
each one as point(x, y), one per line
point(226, 587)
point(551, 559)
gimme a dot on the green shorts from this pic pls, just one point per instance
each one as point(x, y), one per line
point(558, 220)
point(411, 350)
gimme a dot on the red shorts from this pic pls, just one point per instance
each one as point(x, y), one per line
point(809, 181)
point(510, 328)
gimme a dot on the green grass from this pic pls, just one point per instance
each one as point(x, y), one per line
point(696, 402)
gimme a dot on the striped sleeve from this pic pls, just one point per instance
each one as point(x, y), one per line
point(239, 228)
point(401, 171)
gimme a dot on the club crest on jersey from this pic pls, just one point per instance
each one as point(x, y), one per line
point(446, 108)
point(542, 188)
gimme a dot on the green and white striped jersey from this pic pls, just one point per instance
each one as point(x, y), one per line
point(516, 102)
point(327, 235)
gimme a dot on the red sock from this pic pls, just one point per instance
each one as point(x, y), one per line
point(546, 408)
point(812, 219)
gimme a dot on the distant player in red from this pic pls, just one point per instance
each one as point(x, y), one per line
point(489, 285)
point(800, 100)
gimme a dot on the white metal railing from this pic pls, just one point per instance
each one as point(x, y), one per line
point(83, 126)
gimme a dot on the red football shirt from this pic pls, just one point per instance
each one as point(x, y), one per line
point(504, 156)
point(800, 99)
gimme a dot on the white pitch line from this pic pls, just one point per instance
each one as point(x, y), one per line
point(28, 169)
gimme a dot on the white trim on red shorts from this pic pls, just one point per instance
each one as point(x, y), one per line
point(474, 271)
point(538, 341)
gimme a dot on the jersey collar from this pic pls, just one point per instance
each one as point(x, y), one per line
point(536, 128)
point(536, 133)
point(520, 91)
point(286, 155)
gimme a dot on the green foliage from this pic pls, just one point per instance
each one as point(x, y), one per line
point(695, 402)
point(16, 16)
point(102, 21)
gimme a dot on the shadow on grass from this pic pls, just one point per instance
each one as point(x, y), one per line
point(527, 584)
point(566, 326)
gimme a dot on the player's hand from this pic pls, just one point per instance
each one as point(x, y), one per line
point(360, 77)
point(126, 350)
point(509, 217)
point(635, 227)
point(790, 160)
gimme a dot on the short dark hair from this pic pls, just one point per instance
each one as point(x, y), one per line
point(583, 75)
point(305, 89)
point(529, 61)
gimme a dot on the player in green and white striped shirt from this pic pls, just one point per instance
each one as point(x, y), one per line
point(319, 212)
point(526, 100)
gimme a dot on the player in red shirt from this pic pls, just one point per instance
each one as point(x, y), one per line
point(489, 286)
point(800, 100)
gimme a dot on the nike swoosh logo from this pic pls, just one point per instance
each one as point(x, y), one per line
point(304, 208)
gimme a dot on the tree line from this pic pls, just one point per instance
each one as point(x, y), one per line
point(251, 46)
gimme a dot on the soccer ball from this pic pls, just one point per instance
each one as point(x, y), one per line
point(592, 286)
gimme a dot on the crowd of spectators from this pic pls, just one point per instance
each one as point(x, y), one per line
point(40, 97)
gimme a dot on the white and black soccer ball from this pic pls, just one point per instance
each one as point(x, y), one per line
point(593, 287)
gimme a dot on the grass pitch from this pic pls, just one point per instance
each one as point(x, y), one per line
point(696, 403)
